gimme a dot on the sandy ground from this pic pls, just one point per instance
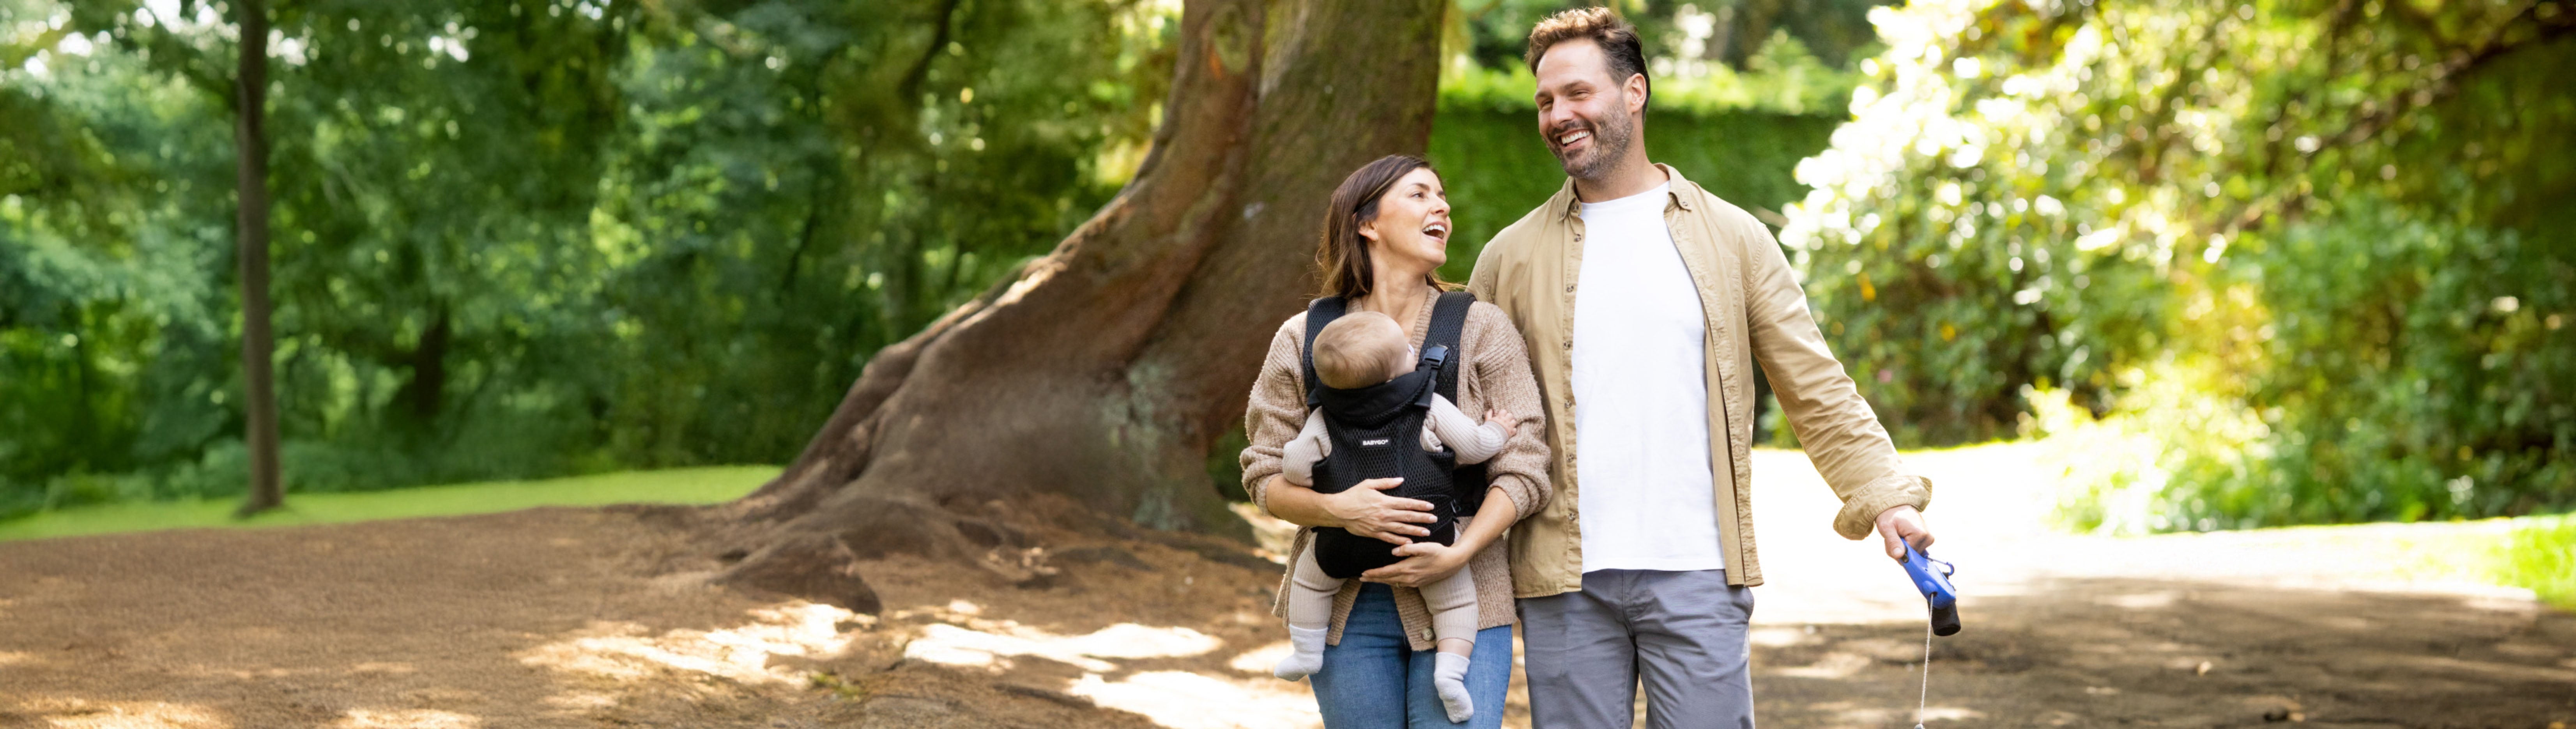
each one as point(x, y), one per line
point(583, 618)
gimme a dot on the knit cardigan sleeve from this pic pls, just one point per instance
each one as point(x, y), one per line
point(1277, 409)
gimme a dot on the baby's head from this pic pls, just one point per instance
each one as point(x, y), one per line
point(1361, 349)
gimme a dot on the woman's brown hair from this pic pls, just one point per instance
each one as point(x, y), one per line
point(1343, 256)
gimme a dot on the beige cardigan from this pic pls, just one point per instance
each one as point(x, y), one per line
point(1497, 375)
point(1755, 312)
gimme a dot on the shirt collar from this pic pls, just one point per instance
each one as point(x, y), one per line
point(1567, 204)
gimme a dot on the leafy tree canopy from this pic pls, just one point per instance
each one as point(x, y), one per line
point(2310, 249)
point(521, 236)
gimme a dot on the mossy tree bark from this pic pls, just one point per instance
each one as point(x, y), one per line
point(1094, 381)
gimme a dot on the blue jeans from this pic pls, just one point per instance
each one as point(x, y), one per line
point(1374, 680)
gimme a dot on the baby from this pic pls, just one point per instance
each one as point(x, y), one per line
point(1358, 350)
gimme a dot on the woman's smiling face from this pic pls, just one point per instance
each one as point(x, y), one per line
point(1411, 231)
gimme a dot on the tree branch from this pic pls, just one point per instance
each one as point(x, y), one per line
point(910, 87)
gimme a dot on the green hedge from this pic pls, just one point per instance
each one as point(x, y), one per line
point(1497, 168)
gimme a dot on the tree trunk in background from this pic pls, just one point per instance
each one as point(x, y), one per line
point(1093, 382)
point(258, 348)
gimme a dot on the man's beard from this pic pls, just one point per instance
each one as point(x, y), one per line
point(1610, 139)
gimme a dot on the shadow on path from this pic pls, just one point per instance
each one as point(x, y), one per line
point(2103, 652)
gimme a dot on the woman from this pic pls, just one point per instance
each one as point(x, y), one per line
point(1386, 233)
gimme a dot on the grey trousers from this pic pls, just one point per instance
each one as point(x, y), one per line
point(1684, 633)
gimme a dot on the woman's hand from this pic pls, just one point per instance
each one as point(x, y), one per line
point(1366, 510)
point(1424, 563)
point(1428, 562)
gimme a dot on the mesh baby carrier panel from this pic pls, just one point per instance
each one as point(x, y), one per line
point(1376, 432)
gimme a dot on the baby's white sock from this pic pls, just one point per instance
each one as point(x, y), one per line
point(1449, 676)
point(1305, 655)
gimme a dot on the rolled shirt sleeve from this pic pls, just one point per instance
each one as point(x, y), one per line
point(1835, 426)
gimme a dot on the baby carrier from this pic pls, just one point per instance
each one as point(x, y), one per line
point(1376, 432)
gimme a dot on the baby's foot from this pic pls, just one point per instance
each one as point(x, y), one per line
point(1449, 677)
point(1305, 654)
point(1298, 665)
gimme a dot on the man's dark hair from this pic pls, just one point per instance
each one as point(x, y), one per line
point(1618, 41)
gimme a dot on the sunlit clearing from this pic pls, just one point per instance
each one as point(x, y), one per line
point(71, 713)
point(955, 646)
point(405, 719)
point(1183, 700)
point(741, 653)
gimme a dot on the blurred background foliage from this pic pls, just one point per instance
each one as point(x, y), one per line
point(519, 237)
point(2289, 261)
point(526, 238)
point(2258, 262)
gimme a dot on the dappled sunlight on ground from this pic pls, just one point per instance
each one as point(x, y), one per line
point(405, 719)
point(741, 653)
point(1845, 715)
point(1180, 699)
point(1176, 676)
point(75, 713)
point(1185, 700)
point(1261, 660)
point(595, 618)
point(955, 646)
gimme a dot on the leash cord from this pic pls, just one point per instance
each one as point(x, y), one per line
point(1923, 699)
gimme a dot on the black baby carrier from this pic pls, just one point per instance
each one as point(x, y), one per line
point(1376, 432)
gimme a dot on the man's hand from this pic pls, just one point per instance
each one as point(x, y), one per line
point(1903, 522)
point(1424, 563)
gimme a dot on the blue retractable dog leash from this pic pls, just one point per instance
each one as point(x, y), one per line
point(1932, 578)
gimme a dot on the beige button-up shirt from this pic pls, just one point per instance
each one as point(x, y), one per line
point(1755, 311)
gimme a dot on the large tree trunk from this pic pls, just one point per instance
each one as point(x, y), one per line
point(1093, 382)
point(258, 347)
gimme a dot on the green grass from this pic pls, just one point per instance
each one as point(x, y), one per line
point(2541, 556)
point(675, 486)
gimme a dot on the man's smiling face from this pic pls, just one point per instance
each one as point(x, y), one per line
point(1582, 112)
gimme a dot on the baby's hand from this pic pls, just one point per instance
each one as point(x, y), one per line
point(1499, 416)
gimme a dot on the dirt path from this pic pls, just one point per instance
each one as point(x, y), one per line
point(583, 618)
point(2343, 626)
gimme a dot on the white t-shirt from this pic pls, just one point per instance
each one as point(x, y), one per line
point(1640, 396)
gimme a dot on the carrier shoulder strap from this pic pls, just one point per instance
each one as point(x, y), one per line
point(1319, 312)
point(1448, 321)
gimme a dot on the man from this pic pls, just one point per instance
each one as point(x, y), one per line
point(1644, 300)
